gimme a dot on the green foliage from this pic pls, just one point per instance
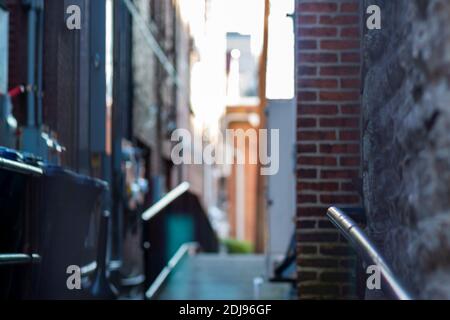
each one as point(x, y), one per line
point(238, 247)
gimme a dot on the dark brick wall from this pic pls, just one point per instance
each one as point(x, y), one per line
point(328, 140)
point(406, 145)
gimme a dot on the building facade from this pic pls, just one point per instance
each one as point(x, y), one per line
point(372, 119)
point(328, 71)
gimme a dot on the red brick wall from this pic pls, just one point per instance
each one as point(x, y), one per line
point(328, 138)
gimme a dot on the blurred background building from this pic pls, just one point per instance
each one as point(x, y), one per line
point(90, 118)
point(103, 102)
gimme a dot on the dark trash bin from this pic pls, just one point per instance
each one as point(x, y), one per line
point(17, 204)
point(69, 224)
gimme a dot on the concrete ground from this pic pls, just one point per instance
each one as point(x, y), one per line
point(222, 277)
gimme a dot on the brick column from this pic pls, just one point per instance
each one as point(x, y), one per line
point(328, 138)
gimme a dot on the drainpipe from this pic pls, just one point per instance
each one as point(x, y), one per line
point(31, 63)
point(40, 63)
point(240, 200)
point(31, 136)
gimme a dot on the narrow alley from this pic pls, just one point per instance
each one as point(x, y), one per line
point(237, 150)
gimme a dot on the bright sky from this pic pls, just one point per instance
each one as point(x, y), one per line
point(280, 64)
point(247, 17)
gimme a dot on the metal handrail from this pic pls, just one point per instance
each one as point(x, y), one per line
point(164, 274)
point(367, 249)
point(19, 259)
point(150, 214)
point(165, 201)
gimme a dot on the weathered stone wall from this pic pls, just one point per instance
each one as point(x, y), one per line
point(406, 141)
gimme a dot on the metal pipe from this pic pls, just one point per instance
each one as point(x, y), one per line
point(18, 259)
point(367, 249)
point(32, 19)
point(4, 30)
point(165, 201)
point(240, 195)
point(101, 287)
point(178, 256)
point(40, 63)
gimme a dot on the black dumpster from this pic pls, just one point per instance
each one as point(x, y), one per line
point(69, 217)
point(49, 222)
point(18, 251)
